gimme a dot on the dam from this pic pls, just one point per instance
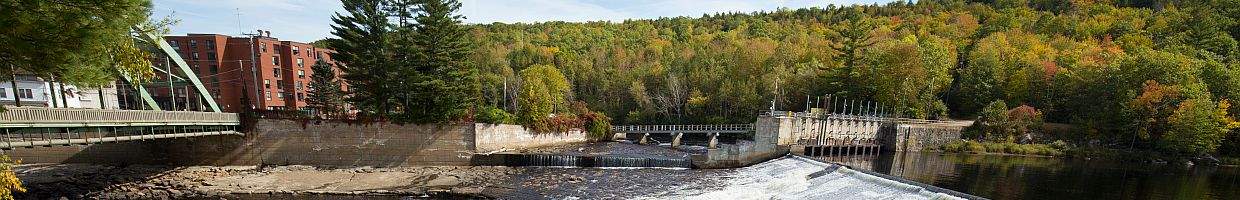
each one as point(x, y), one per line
point(297, 158)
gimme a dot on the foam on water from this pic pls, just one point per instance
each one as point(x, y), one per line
point(790, 178)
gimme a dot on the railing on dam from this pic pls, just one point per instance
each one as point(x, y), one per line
point(75, 117)
point(718, 128)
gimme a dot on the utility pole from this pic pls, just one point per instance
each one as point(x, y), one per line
point(254, 70)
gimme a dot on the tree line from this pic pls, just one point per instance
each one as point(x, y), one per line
point(1154, 74)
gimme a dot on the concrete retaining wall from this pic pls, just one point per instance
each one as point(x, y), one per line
point(772, 136)
point(294, 142)
point(496, 137)
point(919, 137)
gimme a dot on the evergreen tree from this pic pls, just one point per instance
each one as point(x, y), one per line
point(325, 95)
point(445, 86)
point(363, 51)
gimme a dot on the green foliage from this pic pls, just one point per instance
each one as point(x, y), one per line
point(325, 94)
point(544, 92)
point(1000, 124)
point(488, 114)
point(994, 121)
point(1083, 63)
point(1197, 127)
point(443, 84)
point(84, 43)
point(8, 180)
point(406, 59)
point(969, 146)
point(364, 54)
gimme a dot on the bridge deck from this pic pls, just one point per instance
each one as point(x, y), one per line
point(76, 117)
point(720, 128)
point(35, 126)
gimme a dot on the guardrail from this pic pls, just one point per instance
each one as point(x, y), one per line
point(77, 117)
point(720, 128)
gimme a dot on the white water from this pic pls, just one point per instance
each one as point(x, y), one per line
point(788, 178)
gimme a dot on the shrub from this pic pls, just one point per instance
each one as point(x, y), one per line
point(964, 146)
point(1196, 127)
point(491, 114)
point(1001, 147)
point(8, 180)
point(597, 125)
point(1060, 145)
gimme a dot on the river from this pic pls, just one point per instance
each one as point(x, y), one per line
point(1023, 177)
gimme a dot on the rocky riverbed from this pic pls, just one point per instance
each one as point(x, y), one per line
point(75, 181)
point(784, 178)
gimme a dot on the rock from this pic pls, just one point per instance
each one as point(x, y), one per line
point(467, 190)
point(443, 181)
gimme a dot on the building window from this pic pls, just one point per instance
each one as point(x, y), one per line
point(279, 95)
point(299, 85)
point(263, 46)
point(279, 85)
point(25, 93)
point(4, 93)
point(301, 73)
point(210, 44)
point(301, 63)
point(174, 44)
point(193, 44)
point(300, 96)
point(295, 50)
point(214, 69)
point(194, 56)
point(211, 56)
point(275, 61)
point(276, 72)
point(268, 95)
point(267, 83)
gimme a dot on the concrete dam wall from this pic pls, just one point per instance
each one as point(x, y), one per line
point(317, 143)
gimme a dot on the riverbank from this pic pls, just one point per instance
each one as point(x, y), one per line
point(1062, 149)
point(966, 146)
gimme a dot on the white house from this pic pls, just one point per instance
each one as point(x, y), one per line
point(34, 91)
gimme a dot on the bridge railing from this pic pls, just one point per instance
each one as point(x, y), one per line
point(64, 117)
point(720, 128)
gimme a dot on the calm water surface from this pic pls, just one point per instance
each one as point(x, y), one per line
point(1021, 177)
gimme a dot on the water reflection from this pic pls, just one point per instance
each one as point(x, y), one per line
point(1020, 177)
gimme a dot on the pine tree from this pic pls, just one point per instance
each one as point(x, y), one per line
point(446, 87)
point(363, 52)
point(325, 95)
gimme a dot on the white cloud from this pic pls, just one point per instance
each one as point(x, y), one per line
point(309, 20)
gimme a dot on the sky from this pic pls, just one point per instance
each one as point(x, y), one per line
point(310, 20)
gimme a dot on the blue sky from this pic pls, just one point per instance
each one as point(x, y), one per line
point(309, 20)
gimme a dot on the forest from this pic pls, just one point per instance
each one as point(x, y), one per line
point(1158, 74)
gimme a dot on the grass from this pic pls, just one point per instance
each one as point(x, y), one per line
point(1234, 161)
point(1053, 149)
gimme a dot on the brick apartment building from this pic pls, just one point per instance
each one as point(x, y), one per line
point(224, 64)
